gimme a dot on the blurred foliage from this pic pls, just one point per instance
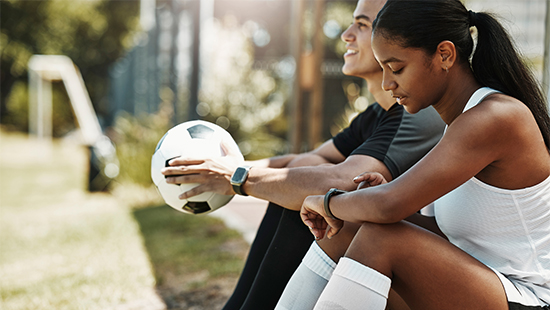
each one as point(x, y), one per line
point(249, 102)
point(92, 33)
point(341, 13)
point(63, 120)
point(136, 139)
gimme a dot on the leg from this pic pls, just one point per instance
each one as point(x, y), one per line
point(426, 270)
point(337, 247)
point(288, 247)
point(313, 274)
point(259, 247)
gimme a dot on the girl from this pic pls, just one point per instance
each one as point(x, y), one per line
point(489, 176)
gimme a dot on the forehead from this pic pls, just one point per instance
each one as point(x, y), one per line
point(368, 8)
point(390, 51)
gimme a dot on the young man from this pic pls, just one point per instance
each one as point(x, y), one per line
point(384, 138)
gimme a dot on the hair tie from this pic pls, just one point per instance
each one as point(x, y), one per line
point(472, 18)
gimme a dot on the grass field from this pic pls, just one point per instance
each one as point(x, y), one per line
point(64, 248)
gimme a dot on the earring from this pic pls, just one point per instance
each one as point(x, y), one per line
point(447, 69)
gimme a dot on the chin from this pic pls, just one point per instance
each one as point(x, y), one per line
point(411, 110)
point(347, 71)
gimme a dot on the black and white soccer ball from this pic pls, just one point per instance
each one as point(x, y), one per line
point(195, 139)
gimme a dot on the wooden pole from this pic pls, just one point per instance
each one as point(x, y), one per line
point(296, 100)
point(316, 101)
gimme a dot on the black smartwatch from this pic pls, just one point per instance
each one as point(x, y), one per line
point(330, 193)
point(238, 178)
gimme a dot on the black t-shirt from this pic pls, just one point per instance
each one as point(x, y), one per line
point(395, 137)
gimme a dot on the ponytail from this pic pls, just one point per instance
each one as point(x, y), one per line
point(496, 63)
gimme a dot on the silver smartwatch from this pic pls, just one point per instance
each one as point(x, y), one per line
point(238, 178)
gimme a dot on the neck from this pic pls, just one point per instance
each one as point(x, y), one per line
point(458, 91)
point(374, 85)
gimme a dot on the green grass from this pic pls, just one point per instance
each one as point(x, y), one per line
point(64, 248)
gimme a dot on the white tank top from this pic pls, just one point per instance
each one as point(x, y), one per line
point(507, 230)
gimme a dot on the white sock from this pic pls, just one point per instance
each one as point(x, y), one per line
point(354, 286)
point(308, 281)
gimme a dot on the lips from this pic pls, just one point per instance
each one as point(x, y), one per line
point(350, 52)
point(399, 99)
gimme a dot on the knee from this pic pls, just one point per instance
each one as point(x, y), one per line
point(376, 245)
point(339, 244)
point(374, 235)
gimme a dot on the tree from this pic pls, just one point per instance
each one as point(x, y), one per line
point(92, 33)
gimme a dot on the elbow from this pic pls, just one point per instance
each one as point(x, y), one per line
point(391, 216)
point(390, 208)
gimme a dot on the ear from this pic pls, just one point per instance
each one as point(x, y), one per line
point(446, 55)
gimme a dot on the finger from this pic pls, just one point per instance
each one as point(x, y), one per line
point(174, 171)
point(179, 170)
point(365, 177)
point(372, 178)
point(185, 161)
point(360, 178)
point(363, 185)
point(193, 192)
point(311, 222)
point(334, 228)
point(318, 234)
point(304, 215)
point(185, 179)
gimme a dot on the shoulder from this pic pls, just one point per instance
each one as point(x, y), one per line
point(498, 111)
point(499, 120)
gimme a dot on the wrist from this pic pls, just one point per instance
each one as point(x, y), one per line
point(326, 203)
point(238, 179)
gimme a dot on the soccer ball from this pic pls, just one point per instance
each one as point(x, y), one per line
point(196, 139)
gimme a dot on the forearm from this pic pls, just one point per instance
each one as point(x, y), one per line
point(273, 162)
point(289, 187)
point(378, 204)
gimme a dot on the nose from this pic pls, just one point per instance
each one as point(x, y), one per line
point(347, 36)
point(388, 83)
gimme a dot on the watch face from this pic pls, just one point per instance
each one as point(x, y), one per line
point(239, 175)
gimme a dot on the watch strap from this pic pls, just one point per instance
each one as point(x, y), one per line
point(239, 190)
point(328, 195)
point(237, 186)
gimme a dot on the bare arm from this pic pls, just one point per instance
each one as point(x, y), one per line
point(306, 174)
point(289, 186)
point(324, 154)
point(273, 162)
point(487, 142)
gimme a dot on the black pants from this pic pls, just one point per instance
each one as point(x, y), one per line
point(280, 244)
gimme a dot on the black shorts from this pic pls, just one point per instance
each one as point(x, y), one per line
point(516, 306)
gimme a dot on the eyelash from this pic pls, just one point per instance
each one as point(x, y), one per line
point(397, 71)
point(360, 25)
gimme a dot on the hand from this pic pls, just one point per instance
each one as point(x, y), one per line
point(212, 174)
point(368, 179)
point(313, 215)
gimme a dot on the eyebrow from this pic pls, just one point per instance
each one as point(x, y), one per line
point(362, 17)
point(391, 59)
